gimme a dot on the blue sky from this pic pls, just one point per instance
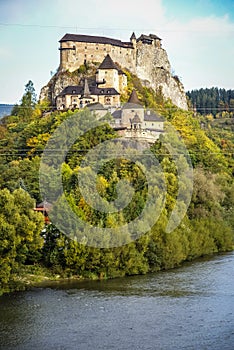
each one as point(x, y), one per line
point(184, 10)
point(197, 34)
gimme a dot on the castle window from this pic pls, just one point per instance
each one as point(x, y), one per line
point(96, 48)
point(107, 100)
point(85, 47)
point(104, 49)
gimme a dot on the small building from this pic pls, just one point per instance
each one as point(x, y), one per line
point(75, 97)
point(44, 207)
point(133, 121)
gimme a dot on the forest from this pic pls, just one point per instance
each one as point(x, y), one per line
point(31, 250)
point(215, 101)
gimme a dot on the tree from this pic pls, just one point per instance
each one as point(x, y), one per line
point(28, 102)
point(20, 240)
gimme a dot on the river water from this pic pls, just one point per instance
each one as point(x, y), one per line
point(191, 307)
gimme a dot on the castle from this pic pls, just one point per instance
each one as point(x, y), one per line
point(143, 56)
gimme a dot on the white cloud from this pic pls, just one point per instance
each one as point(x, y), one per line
point(121, 17)
point(201, 51)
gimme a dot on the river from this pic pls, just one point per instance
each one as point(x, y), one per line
point(191, 307)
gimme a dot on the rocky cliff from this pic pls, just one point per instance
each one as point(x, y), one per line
point(154, 70)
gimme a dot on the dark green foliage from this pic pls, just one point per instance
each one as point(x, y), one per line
point(20, 240)
point(212, 101)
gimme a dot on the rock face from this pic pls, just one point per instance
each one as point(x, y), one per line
point(144, 57)
point(56, 84)
point(154, 69)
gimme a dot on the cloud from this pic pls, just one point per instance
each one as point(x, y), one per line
point(121, 17)
point(200, 50)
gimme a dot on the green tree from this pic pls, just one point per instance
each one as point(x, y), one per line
point(20, 240)
point(28, 101)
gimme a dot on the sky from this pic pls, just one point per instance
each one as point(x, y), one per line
point(197, 35)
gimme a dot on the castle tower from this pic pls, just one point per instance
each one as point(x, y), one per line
point(86, 92)
point(157, 40)
point(108, 72)
point(85, 98)
point(133, 40)
point(131, 108)
point(133, 99)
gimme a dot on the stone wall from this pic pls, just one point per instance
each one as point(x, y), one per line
point(73, 54)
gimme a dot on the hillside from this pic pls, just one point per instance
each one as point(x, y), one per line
point(206, 228)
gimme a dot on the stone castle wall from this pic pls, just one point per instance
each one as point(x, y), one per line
point(73, 54)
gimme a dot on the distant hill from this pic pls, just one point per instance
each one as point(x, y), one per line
point(5, 109)
point(213, 100)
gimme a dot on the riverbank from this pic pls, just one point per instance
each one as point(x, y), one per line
point(37, 276)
